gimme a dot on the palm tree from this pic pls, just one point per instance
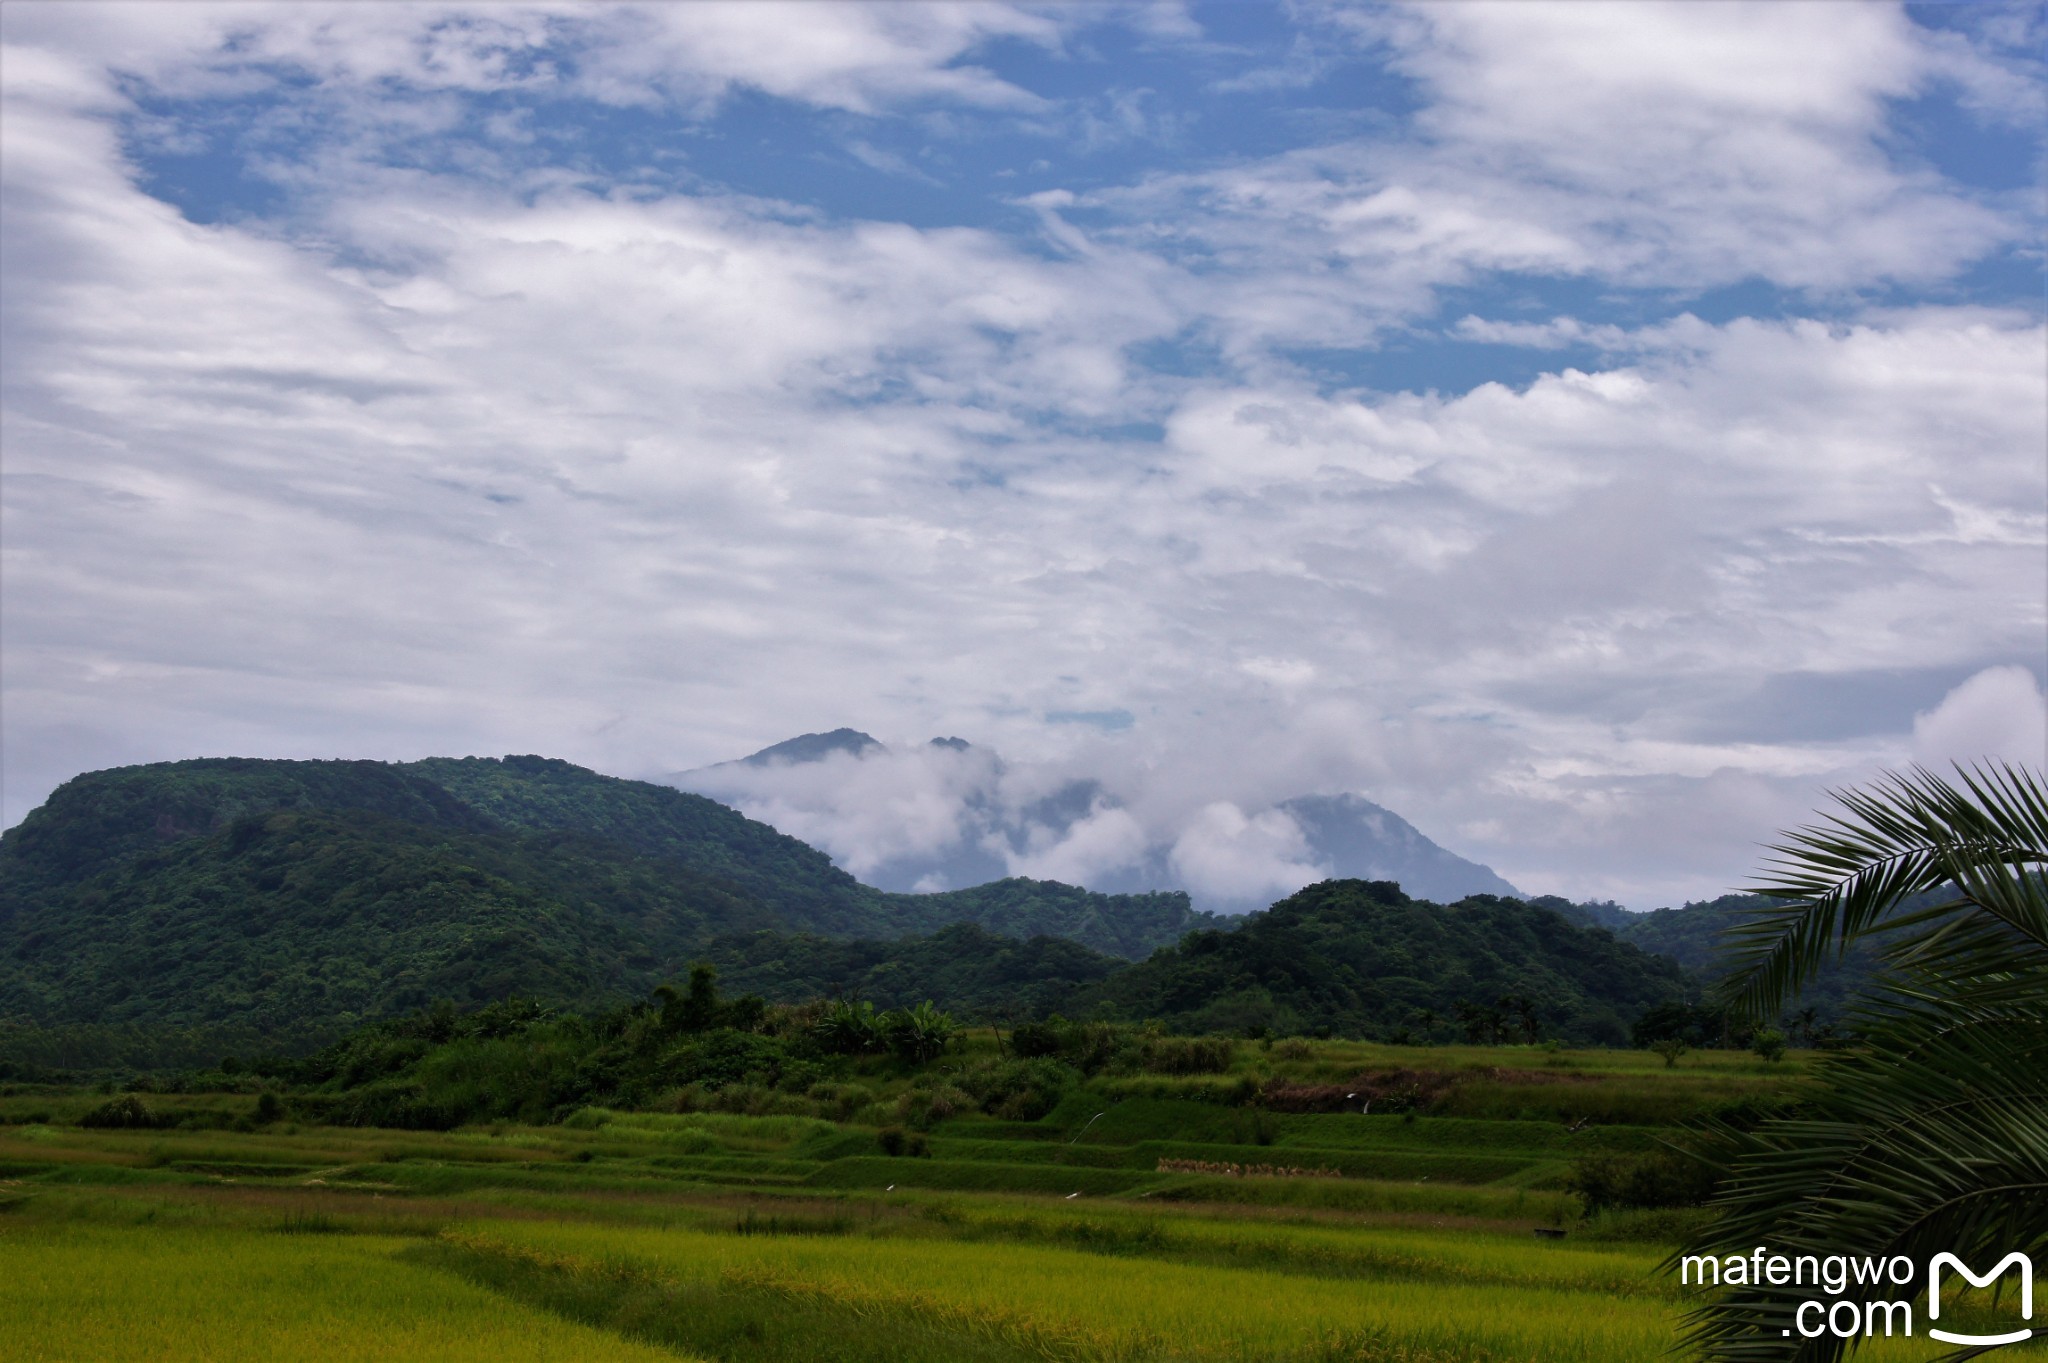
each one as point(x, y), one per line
point(1932, 1134)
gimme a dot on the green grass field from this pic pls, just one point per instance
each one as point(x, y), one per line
point(776, 1237)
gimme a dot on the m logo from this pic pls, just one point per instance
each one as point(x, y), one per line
point(2026, 1267)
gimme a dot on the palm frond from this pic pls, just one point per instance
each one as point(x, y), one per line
point(1983, 840)
point(1933, 1136)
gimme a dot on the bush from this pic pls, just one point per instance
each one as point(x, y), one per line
point(1018, 1090)
point(897, 1141)
point(744, 1100)
point(1093, 1046)
point(404, 1106)
point(1032, 1040)
point(1190, 1054)
point(724, 1056)
point(841, 1100)
point(1769, 1043)
point(1088, 1046)
point(1657, 1178)
point(923, 1106)
point(126, 1111)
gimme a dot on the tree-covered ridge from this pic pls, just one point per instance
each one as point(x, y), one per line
point(307, 897)
point(312, 895)
point(1359, 958)
point(103, 819)
point(293, 919)
point(799, 883)
point(965, 966)
point(795, 880)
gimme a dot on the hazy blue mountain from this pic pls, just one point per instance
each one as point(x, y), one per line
point(1360, 840)
point(813, 747)
point(995, 830)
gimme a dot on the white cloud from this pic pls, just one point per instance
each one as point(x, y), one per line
point(1997, 715)
point(855, 57)
point(447, 463)
point(1093, 851)
point(1663, 145)
point(1225, 855)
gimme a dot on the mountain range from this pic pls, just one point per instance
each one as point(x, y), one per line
point(982, 829)
point(280, 893)
point(293, 900)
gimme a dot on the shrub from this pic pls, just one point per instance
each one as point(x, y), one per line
point(1769, 1043)
point(922, 1106)
point(897, 1141)
point(269, 1107)
point(1032, 1040)
point(1018, 1090)
point(1191, 1054)
point(841, 1100)
point(801, 1076)
point(1093, 1046)
point(756, 1100)
point(724, 1056)
point(1254, 1126)
point(1656, 1178)
point(126, 1111)
point(405, 1106)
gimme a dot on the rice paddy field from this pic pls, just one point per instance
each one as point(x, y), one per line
point(1140, 1220)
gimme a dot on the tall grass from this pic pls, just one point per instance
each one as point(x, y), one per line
point(1145, 1309)
point(173, 1295)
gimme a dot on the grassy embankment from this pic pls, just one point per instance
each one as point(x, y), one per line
point(781, 1237)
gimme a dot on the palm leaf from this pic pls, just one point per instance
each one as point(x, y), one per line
point(1933, 1136)
point(1984, 840)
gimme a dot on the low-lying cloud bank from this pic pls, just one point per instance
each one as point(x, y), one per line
point(944, 814)
point(1221, 822)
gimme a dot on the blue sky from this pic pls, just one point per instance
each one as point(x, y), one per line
point(1592, 430)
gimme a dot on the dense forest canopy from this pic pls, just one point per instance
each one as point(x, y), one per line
point(301, 899)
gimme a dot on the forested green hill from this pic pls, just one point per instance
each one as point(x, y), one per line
point(302, 898)
point(307, 896)
point(1362, 959)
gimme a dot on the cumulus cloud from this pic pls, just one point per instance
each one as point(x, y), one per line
point(935, 816)
point(438, 459)
point(1671, 145)
point(1227, 855)
point(1997, 715)
point(865, 811)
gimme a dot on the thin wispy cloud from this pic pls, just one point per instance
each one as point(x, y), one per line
point(1587, 430)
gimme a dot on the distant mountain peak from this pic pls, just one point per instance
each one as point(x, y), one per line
point(813, 748)
point(999, 827)
point(1367, 841)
